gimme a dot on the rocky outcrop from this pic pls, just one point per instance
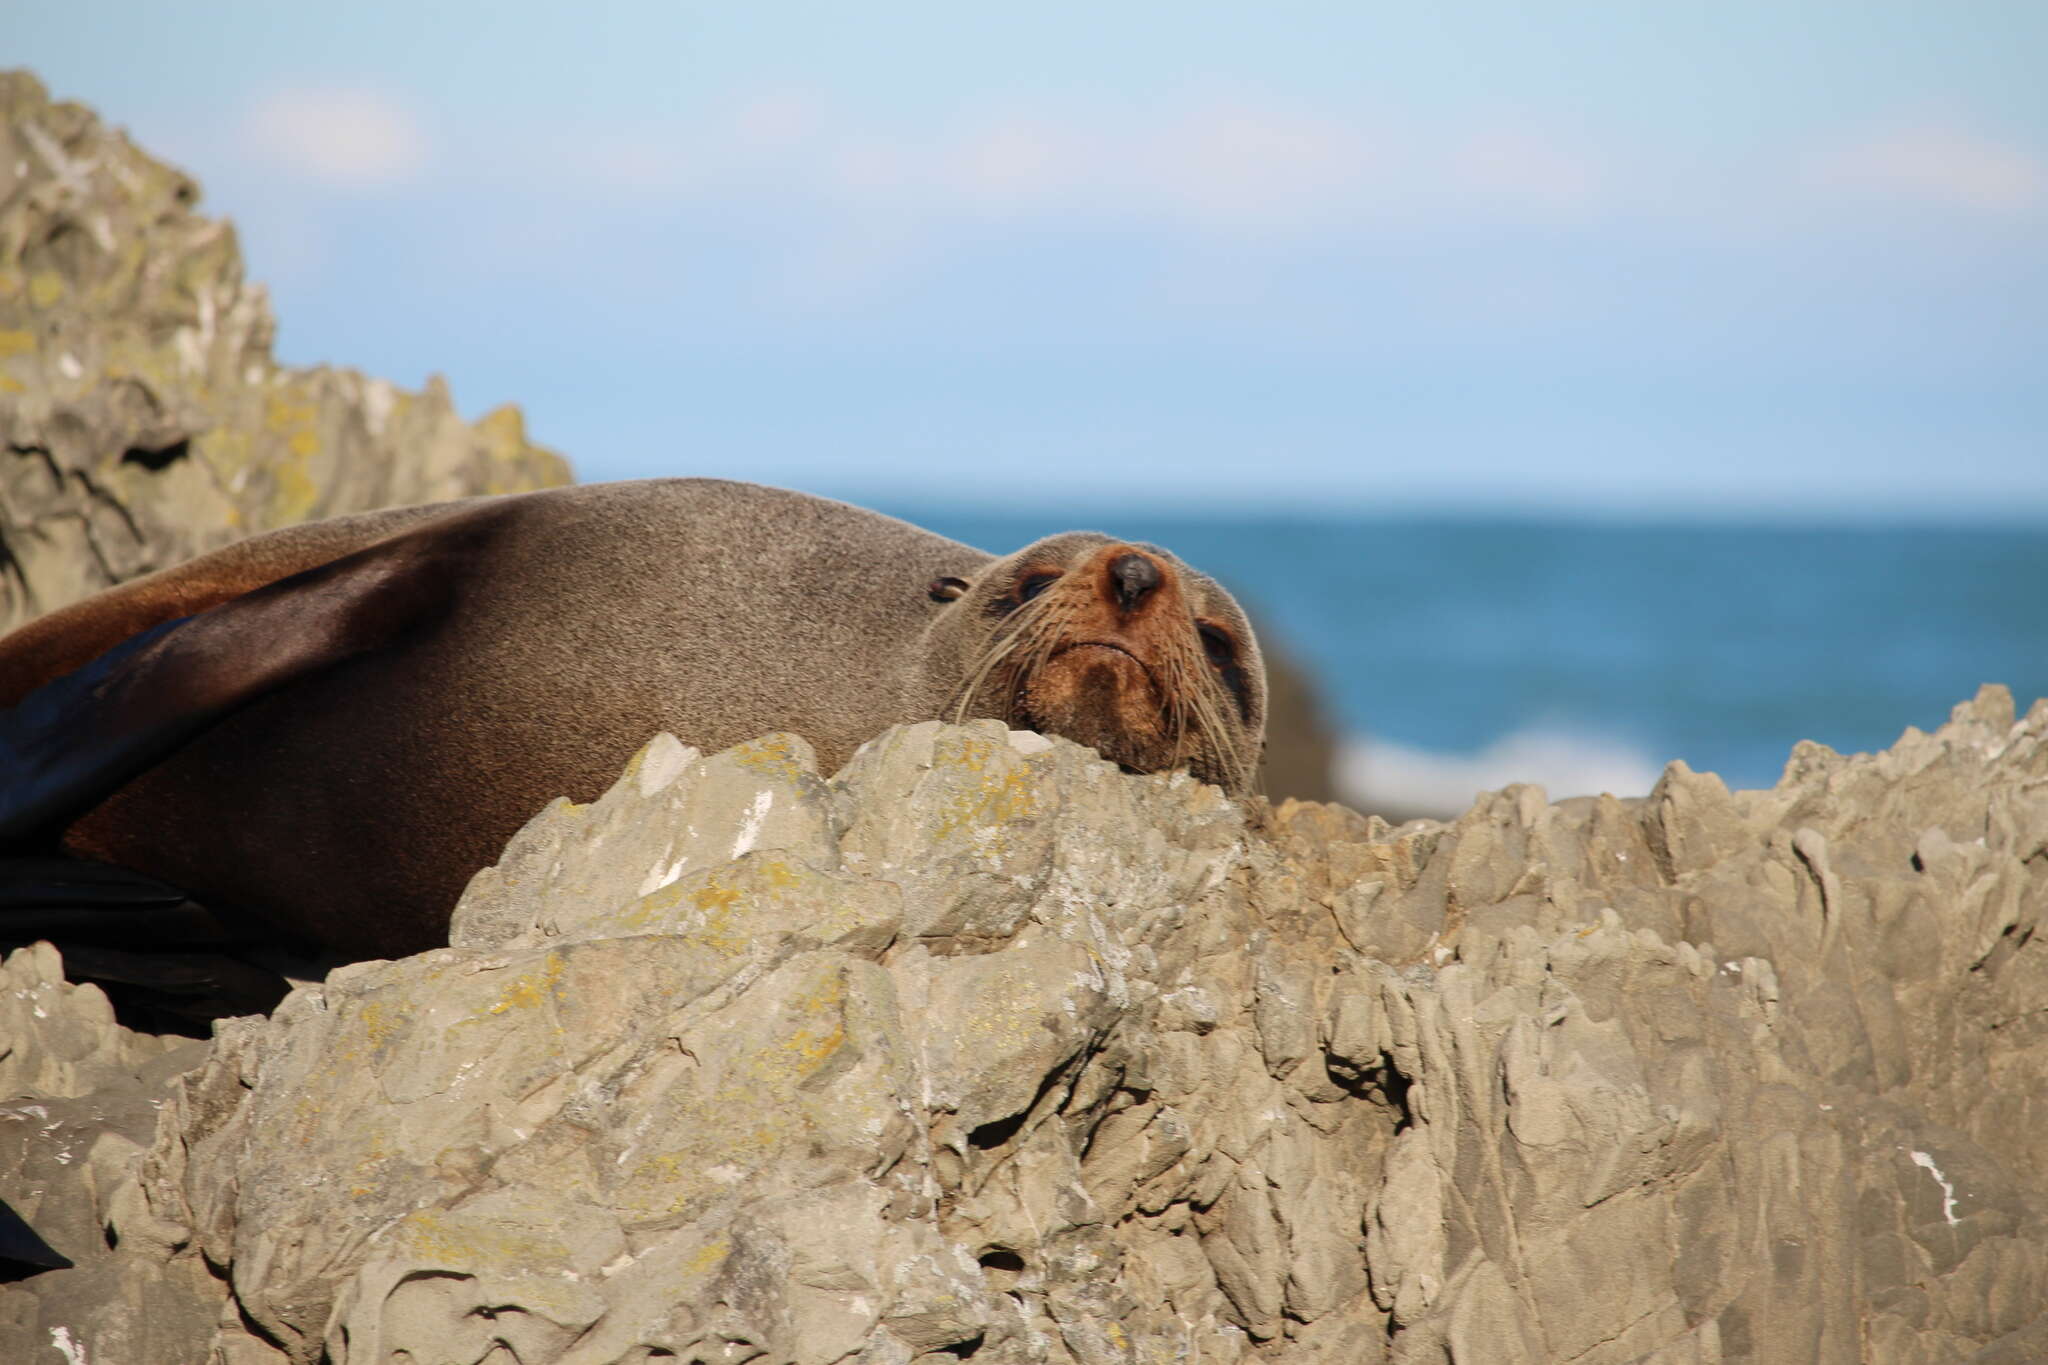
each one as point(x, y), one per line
point(142, 418)
point(79, 1098)
point(981, 1049)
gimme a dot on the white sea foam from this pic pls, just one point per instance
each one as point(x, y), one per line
point(1377, 774)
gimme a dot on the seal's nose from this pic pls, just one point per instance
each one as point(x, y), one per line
point(1132, 577)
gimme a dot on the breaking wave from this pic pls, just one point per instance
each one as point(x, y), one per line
point(1380, 775)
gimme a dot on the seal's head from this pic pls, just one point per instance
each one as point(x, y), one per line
point(1115, 645)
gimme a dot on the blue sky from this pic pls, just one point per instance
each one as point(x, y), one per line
point(1680, 259)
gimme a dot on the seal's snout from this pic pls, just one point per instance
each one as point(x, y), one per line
point(1132, 579)
point(1118, 645)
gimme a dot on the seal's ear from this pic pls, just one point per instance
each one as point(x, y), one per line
point(73, 741)
point(947, 589)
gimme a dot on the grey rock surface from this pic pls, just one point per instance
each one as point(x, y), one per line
point(79, 1097)
point(981, 1049)
point(142, 418)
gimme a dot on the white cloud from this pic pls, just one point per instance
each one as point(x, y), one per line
point(1525, 169)
point(1943, 165)
point(632, 158)
point(865, 163)
point(848, 205)
point(1247, 167)
point(778, 118)
point(1233, 175)
point(1012, 163)
point(347, 138)
point(1226, 170)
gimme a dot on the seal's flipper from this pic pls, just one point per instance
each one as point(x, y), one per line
point(71, 637)
point(69, 901)
point(77, 738)
point(166, 963)
point(69, 742)
point(39, 882)
point(21, 1246)
point(162, 988)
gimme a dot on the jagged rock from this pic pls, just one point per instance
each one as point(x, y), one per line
point(79, 1096)
point(76, 1046)
point(1727, 1076)
point(142, 418)
point(982, 1048)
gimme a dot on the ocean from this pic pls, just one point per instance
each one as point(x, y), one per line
point(1461, 654)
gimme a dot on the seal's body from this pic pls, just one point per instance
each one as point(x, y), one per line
point(348, 719)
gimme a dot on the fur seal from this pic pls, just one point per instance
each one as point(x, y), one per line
point(330, 728)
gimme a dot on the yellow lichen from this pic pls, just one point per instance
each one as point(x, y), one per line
point(997, 799)
point(530, 989)
point(812, 1043)
point(774, 755)
point(432, 1236)
point(712, 896)
point(382, 1023)
point(296, 494)
point(280, 415)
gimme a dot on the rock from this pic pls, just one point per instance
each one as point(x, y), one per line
point(142, 417)
point(79, 1096)
point(681, 1170)
point(982, 1048)
point(77, 1047)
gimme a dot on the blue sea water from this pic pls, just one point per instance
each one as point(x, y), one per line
point(1464, 653)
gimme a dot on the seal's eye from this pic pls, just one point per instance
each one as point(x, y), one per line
point(1217, 644)
point(946, 589)
point(1034, 584)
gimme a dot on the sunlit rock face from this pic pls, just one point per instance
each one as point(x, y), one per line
point(142, 418)
point(982, 1049)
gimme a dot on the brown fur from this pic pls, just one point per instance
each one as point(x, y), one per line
point(1135, 682)
point(551, 634)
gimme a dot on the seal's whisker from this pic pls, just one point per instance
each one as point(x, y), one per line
point(1051, 627)
point(1024, 628)
point(1214, 734)
point(1193, 724)
point(1000, 649)
point(1178, 710)
point(972, 686)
